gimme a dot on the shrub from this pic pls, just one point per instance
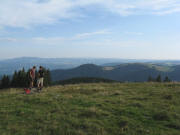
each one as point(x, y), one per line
point(161, 116)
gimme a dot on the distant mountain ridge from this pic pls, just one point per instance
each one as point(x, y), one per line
point(123, 72)
point(113, 69)
point(8, 66)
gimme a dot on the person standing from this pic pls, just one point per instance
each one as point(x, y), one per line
point(40, 78)
point(32, 75)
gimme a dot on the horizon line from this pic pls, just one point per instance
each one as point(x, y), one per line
point(115, 58)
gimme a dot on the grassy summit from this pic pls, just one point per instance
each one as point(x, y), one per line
point(90, 109)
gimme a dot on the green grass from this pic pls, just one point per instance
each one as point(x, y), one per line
point(93, 109)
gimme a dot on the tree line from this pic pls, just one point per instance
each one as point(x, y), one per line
point(83, 80)
point(21, 79)
point(159, 79)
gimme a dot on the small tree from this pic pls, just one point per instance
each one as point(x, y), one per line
point(158, 79)
point(167, 79)
point(5, 82)
point(14, 80)
point(21, 79)
point(47, 78)
point(150, 79)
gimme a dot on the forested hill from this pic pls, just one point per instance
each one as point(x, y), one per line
point(123, 72)
point(8, 66)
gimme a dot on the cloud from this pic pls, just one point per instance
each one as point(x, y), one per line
point(8, 39)
point(89, 34)
point(49, 39)
point(27, 13)
point(23, 13)
point(139, 7)
point(134, 33)
point(170, 11)
point(56, 40)
point(79, 36)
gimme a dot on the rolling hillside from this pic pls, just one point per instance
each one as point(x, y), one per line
point(123, 72)
point(67, 68)
point(93, 109)
point(8, 66)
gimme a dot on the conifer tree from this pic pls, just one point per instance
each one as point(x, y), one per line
point(48, 78)
point(14, 80)
point(21, 79)
point(5, 82)
point(158, 79)
point(150, 79)
point(167, 79)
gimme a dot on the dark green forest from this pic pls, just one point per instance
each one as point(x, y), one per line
point(21, 79)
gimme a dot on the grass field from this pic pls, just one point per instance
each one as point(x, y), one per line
point(93, 109)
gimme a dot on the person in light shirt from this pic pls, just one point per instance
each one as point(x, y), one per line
point(40, 78)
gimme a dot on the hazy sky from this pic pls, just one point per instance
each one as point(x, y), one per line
point(137, 29)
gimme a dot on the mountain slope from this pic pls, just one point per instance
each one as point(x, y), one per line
point(123, 72)
point(87, 70)
point(10, 65)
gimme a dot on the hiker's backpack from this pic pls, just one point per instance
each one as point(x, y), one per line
point(27, 91)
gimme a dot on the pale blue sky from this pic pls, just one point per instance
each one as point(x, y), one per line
point(135, 29)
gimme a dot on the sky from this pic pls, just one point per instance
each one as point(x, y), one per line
point(128, 29)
